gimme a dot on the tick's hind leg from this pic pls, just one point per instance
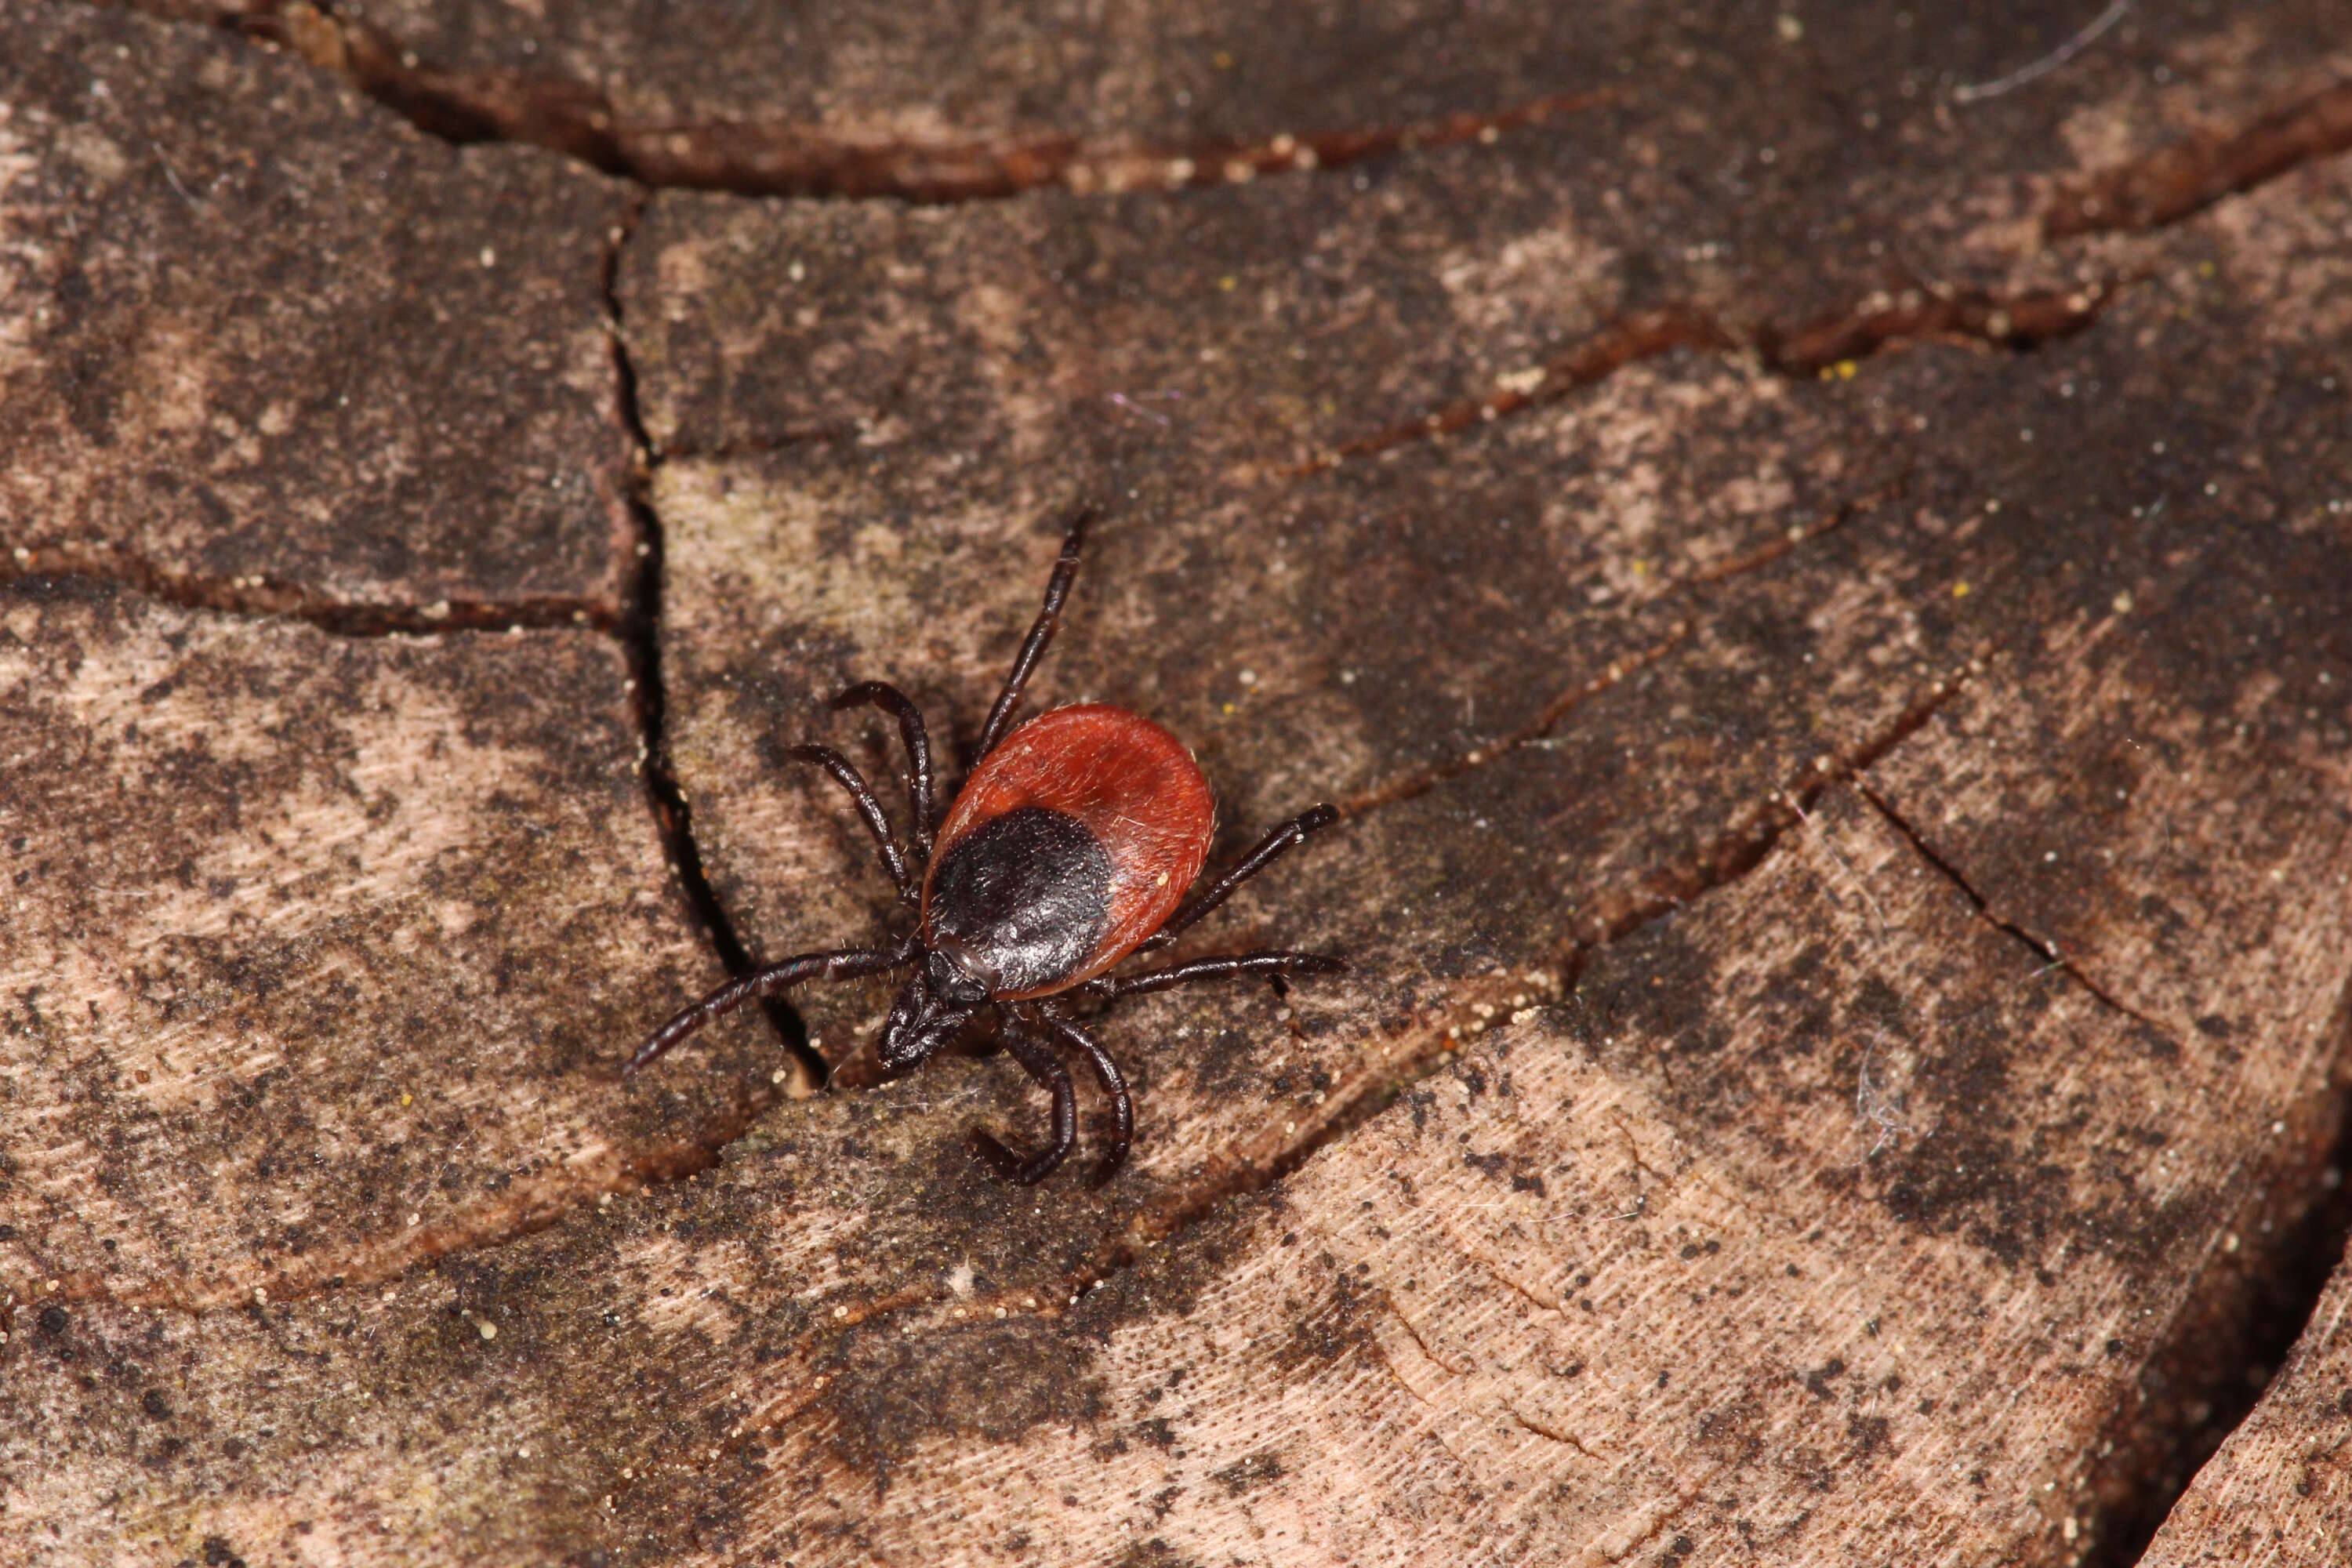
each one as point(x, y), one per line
point(1261, 854)
point(1274, 966)
point(1033, 647)
point(1114, 1088)
point(1032, 1054)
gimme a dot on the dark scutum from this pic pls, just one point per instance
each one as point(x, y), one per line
point(1027, 893)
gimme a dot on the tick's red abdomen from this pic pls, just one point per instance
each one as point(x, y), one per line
point(1113, 823)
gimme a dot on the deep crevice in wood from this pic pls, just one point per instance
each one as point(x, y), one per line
point(2282, 1276)
point(2285, 1295)
point(641, 636)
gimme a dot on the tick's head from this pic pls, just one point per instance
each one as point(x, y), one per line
point(956, 975)
point(930, 1009)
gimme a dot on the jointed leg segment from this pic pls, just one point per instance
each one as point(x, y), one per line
point(1263, 853)
point(868, 807)
point(1038, 1061)
point(901, 707)
point(847, 964)
point(1114, 1088)
point(1032, 649)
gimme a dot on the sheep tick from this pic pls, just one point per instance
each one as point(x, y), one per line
point(1069, 848)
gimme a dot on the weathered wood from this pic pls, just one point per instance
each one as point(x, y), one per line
point(319, 949)
point(271, 349)
point(318, 943)
point(2280, 1491)
point(936, 100)
point(1849, 847)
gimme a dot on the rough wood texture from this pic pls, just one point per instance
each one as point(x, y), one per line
point(268, 350)
point(1837, 665)
point(274, 1017)
point(937, 100)
point(2280, 1491)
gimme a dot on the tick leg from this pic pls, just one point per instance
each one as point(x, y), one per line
point(901, 707)
point(869, 808)
point(846, 964)
point(1275, 965)
point(1114, 1088)
point(1031, 1053)
point(1262, 854)
point(1057, 589)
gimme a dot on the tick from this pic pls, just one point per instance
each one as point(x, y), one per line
point(1069, 848)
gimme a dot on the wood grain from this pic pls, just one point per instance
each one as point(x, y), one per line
point(1839, 685)
point(2279, 1491)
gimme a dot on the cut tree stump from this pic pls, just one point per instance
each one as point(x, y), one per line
point(1815, 565)
point(2280, 1491)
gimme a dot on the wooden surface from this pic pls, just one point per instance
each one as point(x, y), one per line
point(2280, 1489)
point(1821, 592)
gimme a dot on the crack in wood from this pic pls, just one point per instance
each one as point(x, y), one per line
point(2043, 951)
point(1637, 338)
point(532, 1205)
point(1809, 350)
point(1765, 554)
point(2125, 1526)
point(1634, 1154)
point(2140, 196)
point(1552, 1309)
point(257, 597)
point(640, 634)
point(781, 158)
point(1665, 1510)
point(1412, 1332)
point(2182, 180)
point(1736, 852)
point(1420, 781)
point(1565, 1438)
point(2020, 323)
